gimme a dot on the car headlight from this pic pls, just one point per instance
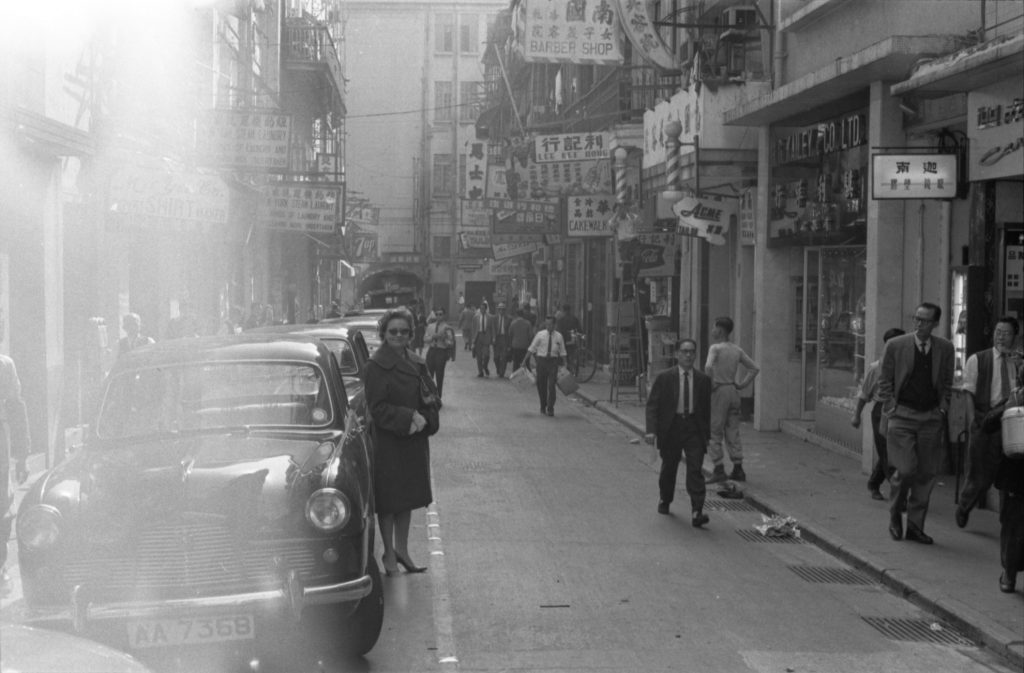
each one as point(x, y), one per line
point(39, 527)
point(328, 510)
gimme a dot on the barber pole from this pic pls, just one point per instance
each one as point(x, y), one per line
point(672, 131)
point(621, 188)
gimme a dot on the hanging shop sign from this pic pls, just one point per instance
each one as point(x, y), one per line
point(361, 245)
point(311, 208)
point(568, 31)
point(524, 177)
point(476, 170)
point(588, 215)
point(148, 196)
point(524, 217)
point(748, 216)
point(651, 254)
point(475, 239)
point(705, 216)
point(506, 250)
point(637, 18)
point(995, 119)
point(913, 176)
point(572, 147)
point(251, 141)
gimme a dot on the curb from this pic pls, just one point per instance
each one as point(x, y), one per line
point(963, 617)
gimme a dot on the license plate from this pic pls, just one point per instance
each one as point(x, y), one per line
point(190, 631)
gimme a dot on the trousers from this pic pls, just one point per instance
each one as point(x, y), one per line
point(914, 442)
point(725, 424)
point(684, 440)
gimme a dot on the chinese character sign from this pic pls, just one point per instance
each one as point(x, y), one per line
point(590, 215)
point(571, 31)
point(572, 147)
point(299, 207)
point(476, 170)
point(913, 176)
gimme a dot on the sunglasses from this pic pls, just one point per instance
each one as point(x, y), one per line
point(398, 332)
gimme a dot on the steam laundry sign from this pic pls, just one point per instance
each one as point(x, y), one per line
point(249, 140)
point(706, 216)
point(308, 208)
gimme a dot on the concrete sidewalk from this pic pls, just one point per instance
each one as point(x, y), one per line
point(956, 579)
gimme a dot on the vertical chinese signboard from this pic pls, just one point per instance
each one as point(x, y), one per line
point(476, 170)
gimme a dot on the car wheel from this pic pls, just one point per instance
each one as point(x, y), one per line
point(338, 633)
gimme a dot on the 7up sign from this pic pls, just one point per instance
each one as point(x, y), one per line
point(705, 216)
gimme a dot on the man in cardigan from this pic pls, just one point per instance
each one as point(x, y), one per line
point(679, 418)
point(989, 376)
point(914, 388)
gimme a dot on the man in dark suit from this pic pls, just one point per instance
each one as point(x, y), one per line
point(914, 389)
point(483, 337)
point(501, 340)
point(679, 418)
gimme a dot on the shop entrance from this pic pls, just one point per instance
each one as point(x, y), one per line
point(832, 329)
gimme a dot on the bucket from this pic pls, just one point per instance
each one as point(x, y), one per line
point(1013, 432)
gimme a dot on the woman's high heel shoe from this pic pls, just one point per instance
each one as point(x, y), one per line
point(408, 565)
point(388, 570)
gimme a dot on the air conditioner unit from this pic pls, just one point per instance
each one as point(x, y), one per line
point(740, 17)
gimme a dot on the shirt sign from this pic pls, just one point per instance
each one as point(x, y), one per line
point(572, 147)
point(913, 176)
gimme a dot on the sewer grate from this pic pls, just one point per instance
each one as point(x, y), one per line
point(755, 536)
point(729, 506)
point(830, 575)
point(917, 631)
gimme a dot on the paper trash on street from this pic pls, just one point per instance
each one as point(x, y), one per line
point(778, 526)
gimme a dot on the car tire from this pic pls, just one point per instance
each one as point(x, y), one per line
point(344, 632)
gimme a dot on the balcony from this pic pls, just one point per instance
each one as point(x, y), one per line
point(308, 47)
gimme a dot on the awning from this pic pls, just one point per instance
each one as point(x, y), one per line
point(826, 91)
point(968, 69)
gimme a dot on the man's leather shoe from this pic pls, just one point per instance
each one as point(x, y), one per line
point(915, 534)
point(662, 508)
point(699, 519)
point(896, 527)
point(550, 412)
point(876, 494)
point(1007, 584)
point(961, 517)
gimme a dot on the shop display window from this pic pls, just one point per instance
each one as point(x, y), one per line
point(840, 325)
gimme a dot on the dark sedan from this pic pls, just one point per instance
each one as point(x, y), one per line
point(224, 495)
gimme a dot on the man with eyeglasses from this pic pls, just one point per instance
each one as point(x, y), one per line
point(678, 416)
point(989, 377)
point(914, 388)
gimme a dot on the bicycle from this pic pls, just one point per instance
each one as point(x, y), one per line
point(583, 364)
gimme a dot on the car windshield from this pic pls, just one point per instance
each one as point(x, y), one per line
point(211, 396)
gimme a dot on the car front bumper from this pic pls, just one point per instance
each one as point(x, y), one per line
point(291, 597)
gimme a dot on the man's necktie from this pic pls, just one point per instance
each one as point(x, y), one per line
point(686, 392)
point(1004, 384)
point(551, 342)
point(924, 348)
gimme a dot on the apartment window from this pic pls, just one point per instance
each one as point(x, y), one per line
point(469, 40)
point(444, 34)
point(443, 101)
point(469, 100)
point(443, 175)
point(442, 247)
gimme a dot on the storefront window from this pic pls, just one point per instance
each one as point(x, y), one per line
point(841, 287)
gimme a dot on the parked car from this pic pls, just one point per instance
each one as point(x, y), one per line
point(223, 496)
point(32, 650)
point(366, 323)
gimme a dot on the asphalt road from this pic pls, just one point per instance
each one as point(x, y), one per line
point(546, 554)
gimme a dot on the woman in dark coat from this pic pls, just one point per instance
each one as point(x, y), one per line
point(403, 424)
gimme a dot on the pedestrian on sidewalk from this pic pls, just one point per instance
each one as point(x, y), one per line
point(502, 324)
point(915, 385)
point(989, 376)
point(483, 337)
point(404, 420)
point(869, 393)
point(466, 326)
point(439, 338)
point(14, 450)
point(724, 359)
point(548, 350)
point(1009, 480)
point(520, 334)
point(678, 416)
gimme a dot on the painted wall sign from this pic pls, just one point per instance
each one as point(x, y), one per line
point(995, 120)
point(151, 196)
point(572, 147)
point(249, 140)
point(826, 138)
point(748, 216)
point(570, 31)
point(589, 215)
point(310, 208)
point(913, 176)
